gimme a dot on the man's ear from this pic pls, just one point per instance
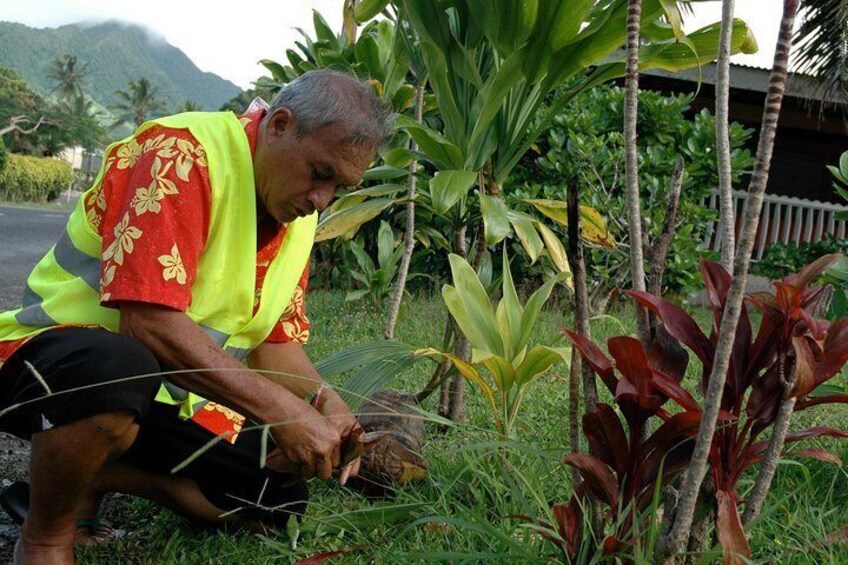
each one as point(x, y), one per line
point(278, 123)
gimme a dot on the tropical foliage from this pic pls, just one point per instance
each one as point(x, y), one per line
point(138, 103)
point(499, 340)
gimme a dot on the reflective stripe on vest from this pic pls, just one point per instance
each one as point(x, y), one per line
point(64, 287)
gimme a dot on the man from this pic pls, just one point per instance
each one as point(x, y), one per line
point(188, 255)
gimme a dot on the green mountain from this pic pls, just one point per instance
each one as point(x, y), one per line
point(116, 53)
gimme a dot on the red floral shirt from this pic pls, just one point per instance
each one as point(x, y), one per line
point(152, 211)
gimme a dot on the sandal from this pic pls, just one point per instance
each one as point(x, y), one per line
point(14, 499)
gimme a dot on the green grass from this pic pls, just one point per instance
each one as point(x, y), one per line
point(465, 511)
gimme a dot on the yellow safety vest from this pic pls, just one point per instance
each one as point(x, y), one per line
point(64, 287)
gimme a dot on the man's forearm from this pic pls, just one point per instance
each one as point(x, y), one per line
point(287, 365)
point(180, 344)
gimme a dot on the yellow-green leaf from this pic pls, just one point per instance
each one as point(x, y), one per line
point(495, 219)
point(348, 220)
point(556, 251)
point(447, 187)
point(523, 225)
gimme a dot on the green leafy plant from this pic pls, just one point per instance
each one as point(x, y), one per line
point(584, 141)
point(781, 259)
point(376, 279)
point(34, 179)
point(840, 173)
point(499, 339)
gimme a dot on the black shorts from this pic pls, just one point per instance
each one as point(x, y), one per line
point(118, 373)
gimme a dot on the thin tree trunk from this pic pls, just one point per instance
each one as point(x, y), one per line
point(722, 127)
point(581, 293)
point(409, 234)
point(631, 166)
point(659, 253)
point(775, 447)
point(673, 541)
point(452, 396)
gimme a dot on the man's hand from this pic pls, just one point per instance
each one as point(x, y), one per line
point(308, 445)
point(337, 414)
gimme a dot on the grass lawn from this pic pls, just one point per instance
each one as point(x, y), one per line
point(465, 511)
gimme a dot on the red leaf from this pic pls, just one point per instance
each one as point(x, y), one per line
point(674, 391)
point(597, 475)
point(595, 357)
point(765, 398)
point(835, 351)
point(569, 525)
point(758, 448)
point(679, 324)
point(607, 439)
point(832, 399)
point(632, 362)
point(820, 454)
point(734, 544)
point(678, 431)
point(321, 557)
point(716, 283)
point(789, 298)
point(809, 273)
point(613, 545)
point(667, 355)
point(804, 372)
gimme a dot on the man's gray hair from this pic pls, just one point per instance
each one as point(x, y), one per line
point(323, 97)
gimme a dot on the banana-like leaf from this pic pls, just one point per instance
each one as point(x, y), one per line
point(347, 221)
point(674, 17)
point(368, 54)
point(556, 251)
point(323, 31)
point(367, 9)
point(385, 244)
point(467, 371)
point(435, 146)
point(471, 302)
point(495, 219)
point(277, 71)
point(447, 187)
point(538, 360)
point(526, 232)
point(502, 371)
point(384, 172)
point(388, 189)
point(593, 227)
point(534, 306)
point(509, 310)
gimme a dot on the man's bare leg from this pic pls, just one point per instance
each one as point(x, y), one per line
point(64, 465)
point(180, 494)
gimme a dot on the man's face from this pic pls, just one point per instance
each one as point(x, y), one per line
point(296, 176)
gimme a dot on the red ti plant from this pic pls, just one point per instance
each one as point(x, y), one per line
point(791, 355)
point(624, 468)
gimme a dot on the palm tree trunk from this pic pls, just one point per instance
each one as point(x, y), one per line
point(409, 234)
point(631, 155)
point(727, 212)
point(672, 542)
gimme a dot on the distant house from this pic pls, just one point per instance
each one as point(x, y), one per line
point(800, 203)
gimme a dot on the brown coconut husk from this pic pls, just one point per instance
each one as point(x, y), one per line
point(394, 439)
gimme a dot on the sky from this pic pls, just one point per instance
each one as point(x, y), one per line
point(231, 42)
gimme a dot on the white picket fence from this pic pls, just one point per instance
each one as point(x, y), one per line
point(784, 219)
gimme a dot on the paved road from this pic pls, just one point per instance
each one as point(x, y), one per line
point(25, 235)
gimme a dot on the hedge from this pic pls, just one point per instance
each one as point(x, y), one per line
point(26, 178)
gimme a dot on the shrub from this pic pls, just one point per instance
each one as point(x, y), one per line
point(26, 178)
point(4, 154)
point(781, 259)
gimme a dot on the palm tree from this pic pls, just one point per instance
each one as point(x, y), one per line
point(137, 103)
point(822, 46)
point(681, 519)
point(68, 75)
point(188, 106)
